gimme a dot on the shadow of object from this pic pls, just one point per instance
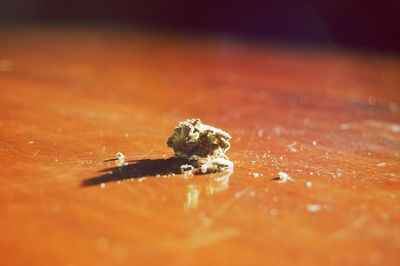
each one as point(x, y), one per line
point(138, 169)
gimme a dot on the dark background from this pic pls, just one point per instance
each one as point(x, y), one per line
point(365, 25)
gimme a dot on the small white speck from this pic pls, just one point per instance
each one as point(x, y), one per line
point(314, 143)
point(381, 164)
point(344, 126)
point(313, 207)
point(256, 175)
point(284, 177)
point(31, 142)
point(396, 128)
point(309, 184)
point(103, 185)
point(260, 133)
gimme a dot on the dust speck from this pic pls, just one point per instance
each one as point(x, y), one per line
point(313, 207)
point(314, 143)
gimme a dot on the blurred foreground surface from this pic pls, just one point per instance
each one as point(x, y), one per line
point(71, 98)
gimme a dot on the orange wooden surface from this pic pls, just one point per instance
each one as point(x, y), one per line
point(71, 98)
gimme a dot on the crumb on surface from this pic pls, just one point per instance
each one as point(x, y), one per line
point(120, 159)
point(120, 156)
point(194, 140)
point(284, 177)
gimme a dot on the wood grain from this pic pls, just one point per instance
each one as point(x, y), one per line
point(73, 97)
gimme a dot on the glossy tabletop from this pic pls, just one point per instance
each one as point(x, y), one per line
point(71, 98)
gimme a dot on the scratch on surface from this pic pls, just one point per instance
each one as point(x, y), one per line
point(144, 155)
point(251, 139)
point(36, 153)
point(348, 230)
point(202, 239)
point(229, 202)
point(292, 147)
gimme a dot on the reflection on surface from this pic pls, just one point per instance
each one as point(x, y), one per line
point(218, 182)
point(192, 197)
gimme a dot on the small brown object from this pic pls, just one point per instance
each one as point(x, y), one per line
point(192, 139)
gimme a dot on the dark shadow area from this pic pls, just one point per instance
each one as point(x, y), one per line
point(138, 169)
point(357, 24)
